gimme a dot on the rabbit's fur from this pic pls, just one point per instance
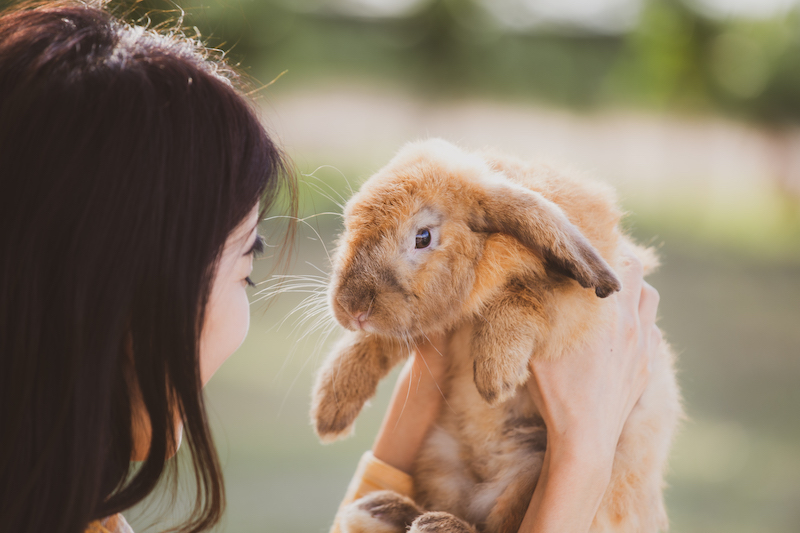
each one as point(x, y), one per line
point(520, 259)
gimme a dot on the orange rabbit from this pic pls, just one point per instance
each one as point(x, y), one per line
point(514, 259)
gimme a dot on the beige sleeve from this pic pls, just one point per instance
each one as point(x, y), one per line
point(372, 475)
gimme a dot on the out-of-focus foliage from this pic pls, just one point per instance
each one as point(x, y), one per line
point(442, 47)
point(675, 56)
point(746, 67)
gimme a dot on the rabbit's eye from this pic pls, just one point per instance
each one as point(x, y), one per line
point(423, 238)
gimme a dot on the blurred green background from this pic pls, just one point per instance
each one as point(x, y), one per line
point(690, 108)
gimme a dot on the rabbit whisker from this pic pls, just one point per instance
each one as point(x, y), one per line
point(312, 265)
point(283, 287)
point(325, 195)
point(341, 174)
point(284, 290)
point(294, 282)
point(310, 304)
point(305, 317)
point(325, 323)
point(408, 394)
point(304, 220)
point(333, 190)
point(291, 385)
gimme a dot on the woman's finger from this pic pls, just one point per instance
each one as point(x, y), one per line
point(648, 305)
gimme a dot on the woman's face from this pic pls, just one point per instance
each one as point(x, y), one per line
point(226, 321)
point(228, 310)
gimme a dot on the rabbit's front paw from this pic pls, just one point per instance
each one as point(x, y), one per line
point(348, 378)
point(494, 381)
point(333, 414)
point(440, 523)
point(379, 512)
point(505, 335)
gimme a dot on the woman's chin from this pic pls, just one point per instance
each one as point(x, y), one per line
point(141, 449)
point(178, 439)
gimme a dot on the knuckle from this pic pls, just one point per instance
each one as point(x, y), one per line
point(635, 264)
point(632, 274)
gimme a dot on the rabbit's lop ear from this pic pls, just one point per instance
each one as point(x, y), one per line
point(542, 226)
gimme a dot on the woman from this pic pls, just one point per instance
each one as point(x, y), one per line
point(133, 174)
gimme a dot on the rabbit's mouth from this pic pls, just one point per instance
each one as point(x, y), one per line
point(363, 321)
point(356, 319)
point(388, 319)
point(360, 321)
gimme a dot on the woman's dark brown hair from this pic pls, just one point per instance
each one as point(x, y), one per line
point(126, 159)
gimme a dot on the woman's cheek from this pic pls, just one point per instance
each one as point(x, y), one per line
point(226, 325)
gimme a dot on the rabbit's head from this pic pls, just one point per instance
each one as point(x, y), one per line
point(414, 233)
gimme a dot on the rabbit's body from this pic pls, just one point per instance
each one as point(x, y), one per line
point(506, 242)
point(480, 463)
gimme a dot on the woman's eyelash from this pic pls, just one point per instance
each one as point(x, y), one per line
point(249, 281)
point(258, 246)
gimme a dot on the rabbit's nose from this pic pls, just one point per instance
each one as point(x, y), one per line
point(361, 317)
point(354, 304)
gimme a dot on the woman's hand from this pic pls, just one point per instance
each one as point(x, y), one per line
point(415, 405)
point(585, 398)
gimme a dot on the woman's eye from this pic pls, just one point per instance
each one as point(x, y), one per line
point(423, 239)
point(258, 246)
